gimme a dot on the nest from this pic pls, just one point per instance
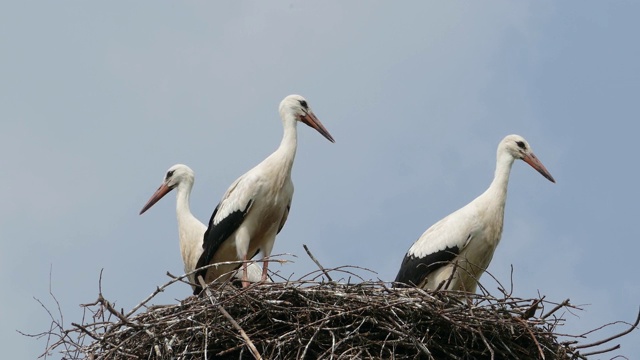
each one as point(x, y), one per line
point(314, 319)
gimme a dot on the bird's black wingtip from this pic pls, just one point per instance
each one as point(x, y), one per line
point(401, 284)
point(200, 274)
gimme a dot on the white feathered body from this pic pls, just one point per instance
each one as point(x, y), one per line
point(454, 252)
point(266, 192)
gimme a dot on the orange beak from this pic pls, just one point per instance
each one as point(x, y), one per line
point(532, 160)
point(162, 191)
point(311, 120)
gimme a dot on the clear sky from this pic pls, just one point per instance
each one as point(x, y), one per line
point(98, 100)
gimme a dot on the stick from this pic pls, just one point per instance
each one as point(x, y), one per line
point(630, 329)
point(562, 304)
point(317, 262)
point(252, 348)
point(84, 330)
point(616, 347)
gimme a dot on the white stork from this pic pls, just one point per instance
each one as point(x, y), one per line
point(255, 207)
point(190, 229)
point(465, 240)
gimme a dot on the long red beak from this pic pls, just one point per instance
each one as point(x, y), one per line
point(162, 191)
point(532, 160)
point(311, 120)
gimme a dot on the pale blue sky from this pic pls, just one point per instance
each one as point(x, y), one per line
point(98, 100)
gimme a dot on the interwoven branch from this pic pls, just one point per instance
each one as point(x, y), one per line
point(317, 319)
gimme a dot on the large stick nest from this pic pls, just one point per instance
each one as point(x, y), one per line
point(311, 319)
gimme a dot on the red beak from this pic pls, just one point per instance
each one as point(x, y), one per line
point(311, 120)
point(532, 160)
point(162, 191)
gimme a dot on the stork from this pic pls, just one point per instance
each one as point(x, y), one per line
point(454, 252)
point(255, 207)
point(190, 229)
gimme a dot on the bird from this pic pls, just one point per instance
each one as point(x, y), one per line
point(190, 229)
point(255, 207)
point(454, 252)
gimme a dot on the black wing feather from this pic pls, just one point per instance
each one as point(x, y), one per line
point(215, 236)
point(414, 269)
point(284, 218)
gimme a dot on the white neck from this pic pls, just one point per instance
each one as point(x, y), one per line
point(183, 210)
point(190, 229)
point(495, 197)
point(281, 161)
point(500, 181)
point(492, 202)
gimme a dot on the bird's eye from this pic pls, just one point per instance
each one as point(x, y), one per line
point(521, 145)
point(169, 174)
point(303, 103)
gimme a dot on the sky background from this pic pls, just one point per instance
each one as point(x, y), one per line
point(98, 100)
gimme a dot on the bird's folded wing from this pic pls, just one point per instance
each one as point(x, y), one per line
point(225, 220)
point(437, 247)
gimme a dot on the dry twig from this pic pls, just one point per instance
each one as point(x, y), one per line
point(311, 319)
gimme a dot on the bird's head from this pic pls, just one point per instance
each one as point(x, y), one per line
point(176, 175)
point(297, 107)
point(519, 148)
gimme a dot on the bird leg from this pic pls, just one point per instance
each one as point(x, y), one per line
point(245, 277)
point(265, 266)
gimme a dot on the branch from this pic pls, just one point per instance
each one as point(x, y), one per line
point(317, 262)
point(630, 329)
point(252, 348)
point(556, 308)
